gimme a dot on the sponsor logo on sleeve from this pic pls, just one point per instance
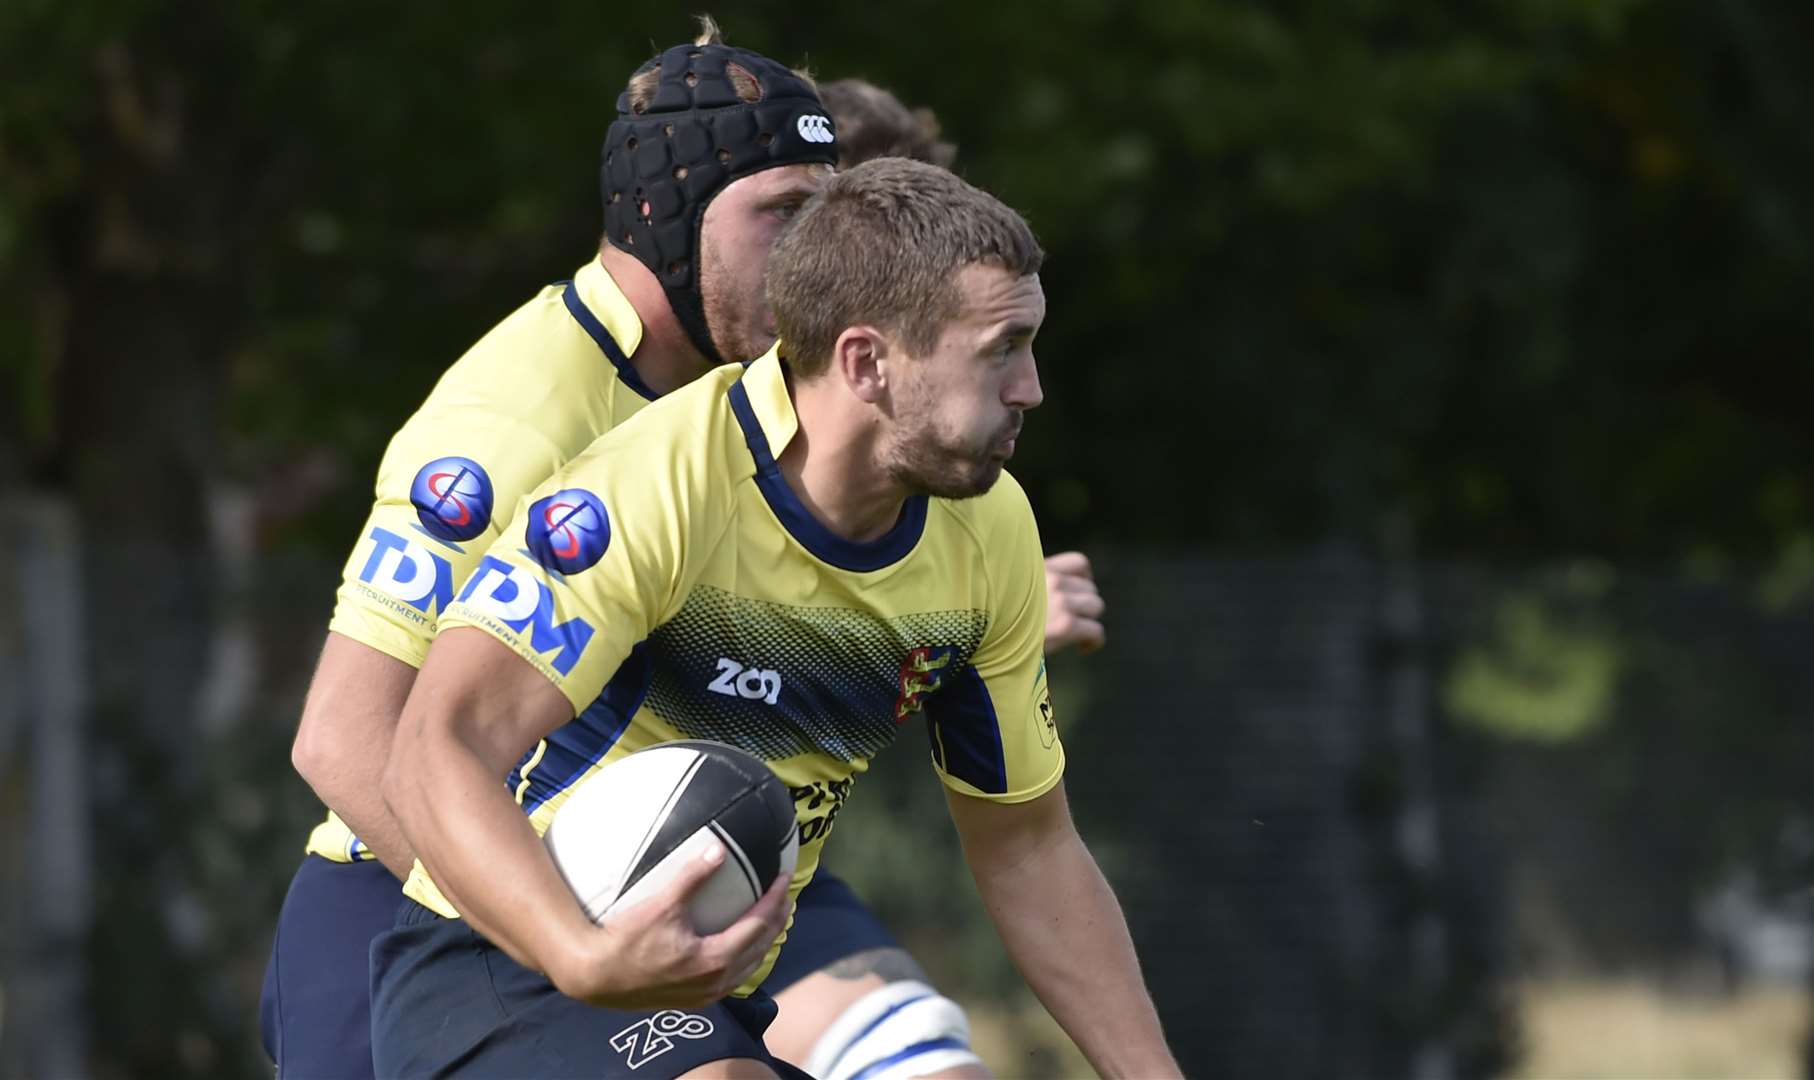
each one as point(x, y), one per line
point(1042, 698)
point(512, 596)
point(452, 497)
point(568, 531)
point(405, 571)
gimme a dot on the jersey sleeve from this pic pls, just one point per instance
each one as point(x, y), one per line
point(992, 729)
point(593, 560)
point(445, 486)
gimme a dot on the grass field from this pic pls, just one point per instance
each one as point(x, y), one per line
point(1019, 1041)
point(1571, 1031)
point(1623, 1031)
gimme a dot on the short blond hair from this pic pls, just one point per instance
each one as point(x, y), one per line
point(882, 244)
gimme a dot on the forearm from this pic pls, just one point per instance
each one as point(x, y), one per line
point(355, 792)
point(1064, 930)
point(480, 849)
point(344, 740)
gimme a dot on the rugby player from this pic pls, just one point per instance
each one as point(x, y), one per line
point(567, 367)
point(832, 510)
point(850, 996)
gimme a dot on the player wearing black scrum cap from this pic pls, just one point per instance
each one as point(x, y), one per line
point(712, 151)
point(694, 122)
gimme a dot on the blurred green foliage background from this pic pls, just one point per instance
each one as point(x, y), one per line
point(1507, 284)
point(1533, 272)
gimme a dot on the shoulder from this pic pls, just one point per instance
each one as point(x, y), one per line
point(536, 368)
point(538, 343)
point(680, 447)
point(694, 422)
point(1002, 539)
point(1001, 515)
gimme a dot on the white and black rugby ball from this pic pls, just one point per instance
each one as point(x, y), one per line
point(623, 831)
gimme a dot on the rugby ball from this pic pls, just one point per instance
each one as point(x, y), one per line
point(625, 829)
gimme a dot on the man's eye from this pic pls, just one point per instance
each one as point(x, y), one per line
point(786, 211)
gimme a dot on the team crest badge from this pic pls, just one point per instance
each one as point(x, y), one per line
point(921, 673)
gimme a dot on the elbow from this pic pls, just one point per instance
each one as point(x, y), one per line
point(567, 979)
point(312, 756)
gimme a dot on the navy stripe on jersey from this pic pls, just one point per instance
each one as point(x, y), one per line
point(578, 744)
point(606, 343)
point(966, 740)
point(827, 546)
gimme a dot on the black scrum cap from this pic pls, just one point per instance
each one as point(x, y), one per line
point(695, 137)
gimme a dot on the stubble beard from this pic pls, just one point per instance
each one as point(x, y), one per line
point(734, 340)
point(925, 464)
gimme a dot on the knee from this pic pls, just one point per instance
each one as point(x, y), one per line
point(904, 1029)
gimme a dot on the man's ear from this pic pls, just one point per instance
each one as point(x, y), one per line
point(861, 357)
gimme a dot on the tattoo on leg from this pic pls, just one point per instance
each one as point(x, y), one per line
point(891, 964)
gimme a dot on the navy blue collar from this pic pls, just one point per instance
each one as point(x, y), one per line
point(827, 546)
point(606, 343)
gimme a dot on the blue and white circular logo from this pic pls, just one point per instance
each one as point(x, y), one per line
point(568, 531)
point(452, 496)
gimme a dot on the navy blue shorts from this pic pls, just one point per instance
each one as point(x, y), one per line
point(447, 1002)
point(831, 922)
point(315, 1011)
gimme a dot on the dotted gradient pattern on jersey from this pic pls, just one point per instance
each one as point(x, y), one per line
point(778, 680)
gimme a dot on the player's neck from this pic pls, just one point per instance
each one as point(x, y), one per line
point(666, 359)
point(832, 466)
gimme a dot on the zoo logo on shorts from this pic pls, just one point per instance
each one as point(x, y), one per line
point(568, 531)
point(653, 1036)
point(452, 497)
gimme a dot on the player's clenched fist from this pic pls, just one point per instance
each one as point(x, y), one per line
point(1073, 606)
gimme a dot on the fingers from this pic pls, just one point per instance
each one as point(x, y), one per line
point(1070, 585)
point(1086, 634)
point(1064, 631)
point(672, 965)
point(662, 895)
point(694, 871)
point(745, 942)
point(1074, 608)
point(759, 925)
point(1084, 605)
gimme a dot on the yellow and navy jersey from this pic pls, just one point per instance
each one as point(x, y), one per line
point(533, 392)
point(673, 586)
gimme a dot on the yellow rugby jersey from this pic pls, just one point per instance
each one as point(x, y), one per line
point(533, 392)
point(672, 585)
